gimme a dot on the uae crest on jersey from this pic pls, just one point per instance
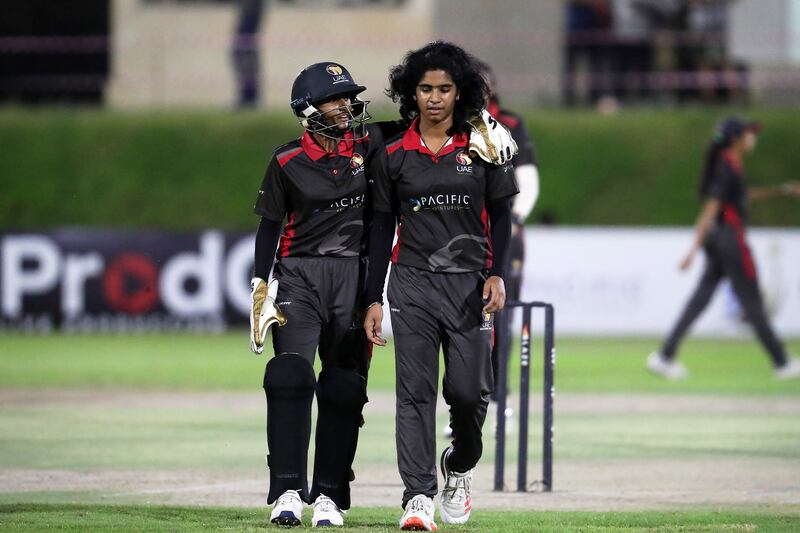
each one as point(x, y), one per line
point(464, 163)
point(356, 161)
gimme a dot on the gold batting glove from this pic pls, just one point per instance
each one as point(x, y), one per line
point(264, 312)
point(490, 140)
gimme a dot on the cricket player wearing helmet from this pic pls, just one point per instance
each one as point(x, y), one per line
point(317, 184)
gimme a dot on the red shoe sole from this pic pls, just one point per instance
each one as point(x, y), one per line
point(415, 524)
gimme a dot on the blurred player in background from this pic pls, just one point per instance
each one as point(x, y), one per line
point(526, 171)
point(446, 281)
point(720, 231)
point(245, 51)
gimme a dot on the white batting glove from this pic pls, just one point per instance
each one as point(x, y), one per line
point(264, 312)
point(490, 140)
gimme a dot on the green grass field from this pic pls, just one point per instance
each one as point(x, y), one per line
point(83, 518)
point(165, 433)
point(224, 362)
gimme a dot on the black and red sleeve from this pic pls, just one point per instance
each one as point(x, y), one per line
point(272, 202)
point(271, 205)
point(500, 182)
point(501, 185)
point(381, 186)
point(379, 245)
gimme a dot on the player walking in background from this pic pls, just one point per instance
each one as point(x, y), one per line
point(720, 232)
point(318, 183)
point(446, 281)
point(526, 172)
point(245, 51)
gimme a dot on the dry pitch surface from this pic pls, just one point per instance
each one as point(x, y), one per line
point(613, 451)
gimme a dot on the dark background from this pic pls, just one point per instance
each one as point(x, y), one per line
point(54, 51)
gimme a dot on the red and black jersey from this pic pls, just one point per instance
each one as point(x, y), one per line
point(440, 200)
point(514, 123)
point(321, 195)
point(727, 185)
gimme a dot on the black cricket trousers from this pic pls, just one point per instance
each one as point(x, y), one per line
point(728, 255)
point(431, 310)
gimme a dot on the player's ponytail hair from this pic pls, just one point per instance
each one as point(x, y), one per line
point(713, 153)
point(439, 55)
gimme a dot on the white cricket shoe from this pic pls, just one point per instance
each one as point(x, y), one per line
point(326, 513)
point(670, 369)
point(790, 370)
point(418, 515)
point(288, 509)
point(455, 500)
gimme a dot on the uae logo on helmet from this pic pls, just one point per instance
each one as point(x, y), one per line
point(334, 70)
point(356, 161)
point(463, 159)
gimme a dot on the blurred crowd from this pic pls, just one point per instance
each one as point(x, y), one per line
point(647, 51)
point(615, 51)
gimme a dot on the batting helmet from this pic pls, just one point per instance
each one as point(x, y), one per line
point(322, 82)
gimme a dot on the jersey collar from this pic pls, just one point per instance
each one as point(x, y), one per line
point(412, 140)
point(313, 150)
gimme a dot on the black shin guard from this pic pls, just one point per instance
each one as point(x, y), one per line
point(289, 385)
point(341, 395)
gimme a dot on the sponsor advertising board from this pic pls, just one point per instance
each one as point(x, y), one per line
point(602, 281)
